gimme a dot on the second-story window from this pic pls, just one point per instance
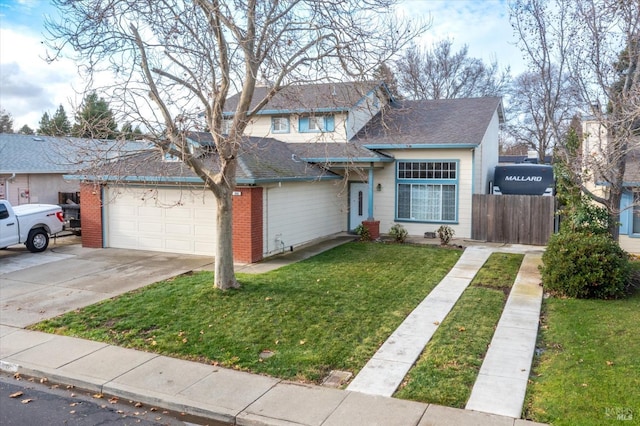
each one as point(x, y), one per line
point(280, 124)
point(226, 125)
point(317, 124)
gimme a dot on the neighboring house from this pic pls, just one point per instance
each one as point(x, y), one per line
point(592, 150)
point(317, 160)
point(32, 169)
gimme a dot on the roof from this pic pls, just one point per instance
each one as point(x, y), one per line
point(333, 152)
point(322, 97)
point(260, 160)
point(29, 154)
point(431, 123)
point(516, 159)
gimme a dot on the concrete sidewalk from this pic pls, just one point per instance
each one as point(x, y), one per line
point(225, 396)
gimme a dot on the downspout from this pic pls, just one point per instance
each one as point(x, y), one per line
point(370, 206)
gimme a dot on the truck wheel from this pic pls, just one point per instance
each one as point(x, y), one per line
point(37, 241)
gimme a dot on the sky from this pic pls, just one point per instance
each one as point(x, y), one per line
point(29, 86)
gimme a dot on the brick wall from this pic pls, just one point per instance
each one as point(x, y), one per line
point(247, 225)
point(91, 215)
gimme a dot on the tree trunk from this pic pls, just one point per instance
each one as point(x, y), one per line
point(614, 212)
point(224, 273)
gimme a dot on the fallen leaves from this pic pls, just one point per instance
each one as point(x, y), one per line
point(16, 394)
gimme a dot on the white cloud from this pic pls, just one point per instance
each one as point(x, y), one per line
point(29, 86)
point(482, 25)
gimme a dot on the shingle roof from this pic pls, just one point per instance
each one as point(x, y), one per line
point(308, 97)
point(431, 122)
point(260, 160)
point(47, 154)
point(336, 153)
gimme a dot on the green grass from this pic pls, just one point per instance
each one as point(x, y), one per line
point(449, 365)
point(329, 312)
point(589, 372)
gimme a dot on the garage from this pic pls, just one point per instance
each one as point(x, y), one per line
point(174, 220)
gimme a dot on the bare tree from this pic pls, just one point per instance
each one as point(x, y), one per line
point(540, 110)
point(543, 99)
point(608, 74)
point(597, 41)
point(175, 63)
point(440, 73)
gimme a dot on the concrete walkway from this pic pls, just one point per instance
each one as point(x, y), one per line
point(386, 370)
point(233, 397)
point(502, 383)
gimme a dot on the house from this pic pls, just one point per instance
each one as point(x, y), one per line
point(593, 147)
point(317, 160)
point(32, 169)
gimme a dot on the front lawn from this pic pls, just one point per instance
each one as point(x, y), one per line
point(330, 312)
point(589, 370)
point(449, 365)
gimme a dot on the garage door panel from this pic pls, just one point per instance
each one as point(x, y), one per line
point(151, 243)
point(142, 219)
point(150, 212)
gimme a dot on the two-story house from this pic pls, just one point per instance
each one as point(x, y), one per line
point(317, 160)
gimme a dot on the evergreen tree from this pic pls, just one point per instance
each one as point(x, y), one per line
point(26, 130)
point(95, 119)
point(129, 132)
point(60, 122)
point(386, 74)
point(58, 125)
point(45, 125)
point(6, 122)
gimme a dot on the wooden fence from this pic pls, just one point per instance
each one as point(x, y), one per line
point(515, 219)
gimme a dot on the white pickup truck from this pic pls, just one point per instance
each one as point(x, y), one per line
point(30, 224)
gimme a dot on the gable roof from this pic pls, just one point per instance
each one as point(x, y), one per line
point(431, 123)
point(30, 154)
point(319, 97)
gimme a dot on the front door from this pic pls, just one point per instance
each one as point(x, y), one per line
point(358, 204)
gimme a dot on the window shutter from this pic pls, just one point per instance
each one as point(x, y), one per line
point(303, 124)
point(329, 123)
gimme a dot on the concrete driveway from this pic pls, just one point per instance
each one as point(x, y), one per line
point(37, 286)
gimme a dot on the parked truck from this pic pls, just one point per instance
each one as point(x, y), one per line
point(29, 224)
point(523, 179)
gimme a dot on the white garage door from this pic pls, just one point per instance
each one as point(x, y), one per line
point(161, 219)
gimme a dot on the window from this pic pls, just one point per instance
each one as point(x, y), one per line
point(280, 124)
point(316, 124)
point(427, 191)
point(636, 213)
point(226, 126)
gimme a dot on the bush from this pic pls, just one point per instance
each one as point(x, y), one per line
point(399, 233)
point(363, 232)
point(585, 265)
point(445, 233)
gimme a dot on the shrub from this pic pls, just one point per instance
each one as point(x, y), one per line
point(585, 265)
point(399, 233)
point(363, 232)
point(445, 233)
